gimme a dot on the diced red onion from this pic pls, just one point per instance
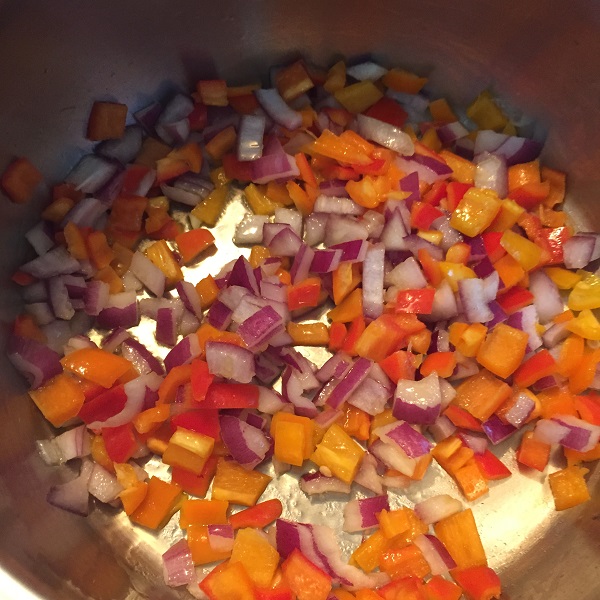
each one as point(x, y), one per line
point(568, 431)
point(436, 508)
point(293, 390)
point(373, 271)
point(418, 401)
point(520, 411)
point(220, 538)
point(54, 262)
point(514, 149)
point(450, 132)
point(368, 476)
point(123, 149)
point(491, 173)
point(246, 444)
point(276, 107)
point(230, 361)
point(77, 342)
point(121, 310)
point(394, 457)
point(443, 428)
point(314, 228)
point(317, 483)
point(361, 514)
point(250, 137)
point(472, 297)
point(346, 386)
point(526, 320)
point(34, 360)
point(219, 315)
point(250, 229)
point(114, 339)
point(334, 367)
point(366, 71)
point(395, 233)
point(242, 274)
point(143, 360)
point(74, 443)
point(435, 553)
point(40, 238)
point(283, 243)
point(148, 273)
point(166, 326)
point(385, 134)
point(59, 299)
point(318, 543)
point(337, 205)
point(172, 125)
point(496, 430)
point(406, 276)
point(475, 442)
point(407, 438)
point(148, 116)
point(546, 296)
point(370, 396)
point(291, 217)
point(302, 263)
point(103, 485)
point(450, 236)
point(257, 329)
point(188, 323)
point(427, 168)
point(444, 303)
point(183, 353)
point(57, 334)
point(580, 250)
point(91, 173)
point(340, 229)
point(178, 566)
point(73, 496)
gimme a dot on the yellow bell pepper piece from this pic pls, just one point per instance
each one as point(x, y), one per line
point(525, 252)
point(433, 236)
point(459, 535)
point(463, 170)
point(509, 214)
point(259, 203)
point(569, 487)
point(188, 450)
point(257, 555)
point(162, 256)
point(336, 77)
point(475, 212)
point(308, 334)
point(485, 112)
point(366, 556)
point(585, 294)
point(293, 438)
point(218, 177)
point(238, 485)
point(339, 453)
point(563, 278)
point(393, 522)
point(357, 97)
point(210, 209)
point(454, 272)
point(467, 338)
point(585, 324)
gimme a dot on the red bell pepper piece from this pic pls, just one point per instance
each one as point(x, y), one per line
point(259, 515)
point(337, 335)
point(436, 194)
point(455, 192)
point(200, 378)
point(200, 421)
point(104, 405)
point(493, 248)
point(281, 593)
point(120, 442)
point(491, 466)
point(588, 408)
point(132, 179)
point(438, 588)
point(418, 302)
point(198, 117)
point(407, 588)
point(354, 332)
point(530, 194)
point(307, 581)
point(304, 294)
point(422, 215)
point(534, 368)
point(231, 395)
point(245, 104)
point(373, 168)
point(241, 170)
point(478, 583)
point(399, 365)
point(431, 267)
point(514, 299)
point(195, 484)
point(553, 240)
point(388, 111)
point(461, 418)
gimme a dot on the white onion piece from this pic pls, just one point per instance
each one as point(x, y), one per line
point(148, 273)
point(385, 134)
point(373, 271)
point(276, 107)
point(250, 229)
point(546, 296)
point(250, 137)
point(366, 71)
point(103, 485)
point(437, 508)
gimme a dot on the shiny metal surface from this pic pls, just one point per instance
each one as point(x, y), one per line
point(56, 58)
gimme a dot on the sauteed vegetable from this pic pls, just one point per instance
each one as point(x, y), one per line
point(422, 248)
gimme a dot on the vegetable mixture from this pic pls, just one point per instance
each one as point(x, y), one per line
point(422, 247)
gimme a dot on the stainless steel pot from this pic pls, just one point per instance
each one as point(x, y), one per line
point(56, 58)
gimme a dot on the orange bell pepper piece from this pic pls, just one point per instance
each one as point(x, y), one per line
point(569, 487)
point(162, 256)
point(195, 484)
point(403, 81)
point(100, 252)
point(399, 365)
point(503, 350)
point(345, 278)
point(207, 290)
point(97, 366)
point(535, 367)
point(366, 556)
point(482, 394)
point(191, 243)
point(404, 562)
point(20, 180)
point(238, 485)
point(304, 294)
point(132, 497)
point(379, 339)
point(460, 536)
point(308, 334)
point(337, 335)
point(75, 239)
point(106, 121)
point(533, 453)
point(59, 399)
point(203, 512)
point(307, 581)
point(199, 544)
point(438, 588)
point(257, 516)
point(161, 502)
point(357, 422)
point(478, 582)
point(443, 363)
